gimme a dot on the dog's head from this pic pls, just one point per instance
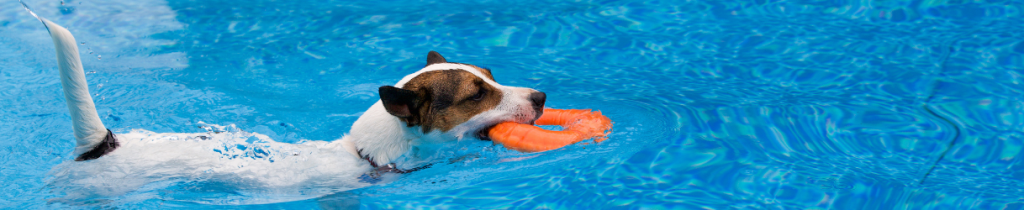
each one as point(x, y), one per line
point(458, 99)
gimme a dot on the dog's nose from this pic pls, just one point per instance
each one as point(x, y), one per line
point(538, 99)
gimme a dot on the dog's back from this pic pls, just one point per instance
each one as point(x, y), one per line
point(242, 161)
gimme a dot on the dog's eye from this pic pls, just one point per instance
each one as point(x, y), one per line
point(479, 95)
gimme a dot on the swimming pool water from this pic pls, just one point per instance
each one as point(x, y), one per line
point(813, 104)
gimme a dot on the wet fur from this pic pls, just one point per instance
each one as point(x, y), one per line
point(441, 103)
point(449, 98)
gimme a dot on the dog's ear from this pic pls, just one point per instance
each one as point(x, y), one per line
point(434, 57)
point(399, 102)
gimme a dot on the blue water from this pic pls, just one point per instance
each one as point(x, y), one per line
point(812, 104)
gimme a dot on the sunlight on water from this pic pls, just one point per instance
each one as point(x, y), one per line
point(717, 104)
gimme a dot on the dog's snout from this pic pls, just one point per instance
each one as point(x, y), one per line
point(538, 99)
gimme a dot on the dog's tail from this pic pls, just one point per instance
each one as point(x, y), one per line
point(93, 139)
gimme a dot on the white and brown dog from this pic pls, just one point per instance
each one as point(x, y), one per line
point(441, 103)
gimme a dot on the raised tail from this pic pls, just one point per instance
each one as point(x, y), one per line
point(92, 138)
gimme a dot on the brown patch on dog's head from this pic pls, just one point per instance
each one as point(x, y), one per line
point(440, 99)
point(435, 57)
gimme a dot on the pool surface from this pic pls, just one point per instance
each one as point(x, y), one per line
point(762, 104)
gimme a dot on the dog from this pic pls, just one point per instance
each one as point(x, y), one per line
point(438, 104)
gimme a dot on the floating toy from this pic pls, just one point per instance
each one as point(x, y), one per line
point(577, 124)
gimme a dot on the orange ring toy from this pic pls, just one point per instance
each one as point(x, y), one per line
point(577, 124)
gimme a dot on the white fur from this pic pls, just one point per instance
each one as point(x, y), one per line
point(89, 130)
point(247, 162)
point(230, 157)
point(310, 169)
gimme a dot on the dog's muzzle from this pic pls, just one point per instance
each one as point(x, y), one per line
point(538, 99)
